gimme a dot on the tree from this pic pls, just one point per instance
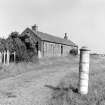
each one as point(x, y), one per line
point(30, 45)
point(14, 43)
point(10, 44)
point(2, 44)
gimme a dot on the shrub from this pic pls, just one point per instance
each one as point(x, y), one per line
point(2, 44)
point(14, 43)
point(74, 52)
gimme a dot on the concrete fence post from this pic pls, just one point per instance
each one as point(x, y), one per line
point(84, 70)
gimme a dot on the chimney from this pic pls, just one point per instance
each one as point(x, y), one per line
point(35, 28)
point(66, 37)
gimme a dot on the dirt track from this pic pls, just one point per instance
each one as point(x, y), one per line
point(30, 88)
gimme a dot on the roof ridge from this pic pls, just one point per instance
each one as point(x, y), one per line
point(51, 35)
point(52, 38)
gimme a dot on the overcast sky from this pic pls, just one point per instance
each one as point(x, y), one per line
point(83, 20)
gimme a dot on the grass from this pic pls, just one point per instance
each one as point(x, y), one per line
point(66, 93)
point(42, 81)
point(14, 69)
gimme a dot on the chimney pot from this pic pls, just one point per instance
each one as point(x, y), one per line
point(66, 37)
point(35, 28)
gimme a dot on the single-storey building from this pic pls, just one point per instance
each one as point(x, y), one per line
point(46, 45)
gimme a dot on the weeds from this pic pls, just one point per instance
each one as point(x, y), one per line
point(70, 95)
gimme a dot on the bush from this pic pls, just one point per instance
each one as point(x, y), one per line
point(14, 43)
point(2, 44)
point(74, 52)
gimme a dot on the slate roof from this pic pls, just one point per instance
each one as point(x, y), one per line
point(52, 38)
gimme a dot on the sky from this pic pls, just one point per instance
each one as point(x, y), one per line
point(83, 20)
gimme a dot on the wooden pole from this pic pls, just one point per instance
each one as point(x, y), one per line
point(8, 57)
point(4, 53)
point(39, 54)
point(0, 58)
point(14, 56)
point(84, 70)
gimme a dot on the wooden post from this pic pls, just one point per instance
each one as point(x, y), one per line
point(84, 70)
point(39, 54)
point(14, 56)
point(8, 57)
point(0, 58)
point(4, 53)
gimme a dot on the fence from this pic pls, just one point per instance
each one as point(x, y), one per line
point(5, 57)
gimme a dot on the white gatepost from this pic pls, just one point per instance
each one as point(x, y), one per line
point(84, 70)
